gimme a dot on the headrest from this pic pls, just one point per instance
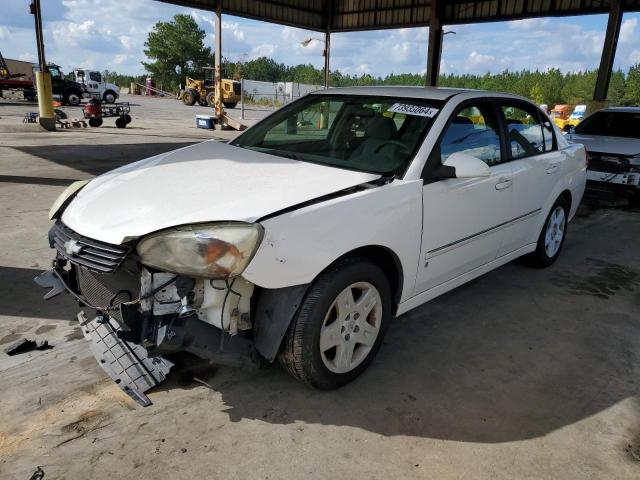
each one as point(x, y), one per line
point(382, 128)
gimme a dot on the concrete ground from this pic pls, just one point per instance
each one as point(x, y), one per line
point(520, 374)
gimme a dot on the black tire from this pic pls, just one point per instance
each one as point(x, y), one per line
point(300, 353)
point(121, 122)
point(109, 96)
point(127, 119)
point(211, 99)
point(230, 104)
point(73, 98)
point(189, 97)
point(541, 257)
point(95, 122)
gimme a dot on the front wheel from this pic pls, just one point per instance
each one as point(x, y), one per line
point(230, 104)
point(340, 325)
point(109, 96)
point(73, 98)
point(552, 237)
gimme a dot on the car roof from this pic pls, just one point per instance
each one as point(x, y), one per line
point(430, 93)
point(621, 109)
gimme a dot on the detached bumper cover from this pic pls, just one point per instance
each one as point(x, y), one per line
point(126, 363)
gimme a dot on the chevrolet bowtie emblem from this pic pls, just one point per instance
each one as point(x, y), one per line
point(72, 247)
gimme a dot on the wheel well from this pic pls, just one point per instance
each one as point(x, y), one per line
point(388, 261)
point(108, 91)
point(567, 196)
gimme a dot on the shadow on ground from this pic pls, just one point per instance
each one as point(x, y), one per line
point(97, 159)
point(21, 297)
point(512, 356)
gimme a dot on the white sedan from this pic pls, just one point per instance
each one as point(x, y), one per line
point(302, 238)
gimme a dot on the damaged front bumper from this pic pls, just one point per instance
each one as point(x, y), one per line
point(137, 317)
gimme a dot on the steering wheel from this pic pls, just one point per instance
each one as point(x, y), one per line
point(401, 145)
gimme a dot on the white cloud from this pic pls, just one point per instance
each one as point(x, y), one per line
point(119, 59)
point(479, 62)
point(628, 31)
point(263, 50)
point(529, 25)
point(127, 42)
point(4, 32)
point(27, 57)
point(400, 52)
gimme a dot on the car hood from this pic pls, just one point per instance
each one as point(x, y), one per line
point(210, 181)
point(604, 144)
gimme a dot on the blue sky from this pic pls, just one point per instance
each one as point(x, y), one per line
point(110, 34)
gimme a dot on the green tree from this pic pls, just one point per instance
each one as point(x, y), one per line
point(177, 50)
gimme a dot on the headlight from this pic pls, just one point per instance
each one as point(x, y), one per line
point(67, 194)
point(215, 250)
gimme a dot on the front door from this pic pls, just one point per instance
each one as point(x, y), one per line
point(464, 219)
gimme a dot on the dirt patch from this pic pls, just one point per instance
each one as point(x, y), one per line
point(12, 337)
point(603, 280)
point(45, 329)
point(76, 334)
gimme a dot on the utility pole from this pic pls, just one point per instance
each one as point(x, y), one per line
point(43, 77)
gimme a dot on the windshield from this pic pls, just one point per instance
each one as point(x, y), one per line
point(614, 124)
point(370, 134)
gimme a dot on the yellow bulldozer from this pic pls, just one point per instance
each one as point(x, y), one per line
point(202, 91)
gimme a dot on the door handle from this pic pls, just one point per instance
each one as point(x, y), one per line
point(553, 168)
point(503, 183)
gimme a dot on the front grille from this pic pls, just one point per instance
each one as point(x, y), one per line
point(108, 290)
point(92, 254)
point(608, 163)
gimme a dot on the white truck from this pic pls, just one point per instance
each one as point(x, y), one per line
point(96, 86)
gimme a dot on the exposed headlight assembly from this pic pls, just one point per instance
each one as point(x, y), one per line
point(65, 197)
point(214, 250)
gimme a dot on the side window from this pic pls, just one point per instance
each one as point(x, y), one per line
point(95, 76)
point(524, 131)
point(473, 131)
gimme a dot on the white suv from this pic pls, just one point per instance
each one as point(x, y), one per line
point(304, 236)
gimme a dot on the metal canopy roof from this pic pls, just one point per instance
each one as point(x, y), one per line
point(351, 15)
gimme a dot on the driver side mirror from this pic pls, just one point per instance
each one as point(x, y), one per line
point(466, 166)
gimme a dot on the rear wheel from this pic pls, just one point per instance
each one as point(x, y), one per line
point(95, 122)
point(552, 237)
point(121, 122)
point(340, 325)
point(230, 104)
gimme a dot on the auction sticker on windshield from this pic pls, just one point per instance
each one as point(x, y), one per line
point(413, 110)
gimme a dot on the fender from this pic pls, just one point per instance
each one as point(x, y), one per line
point(297, 245)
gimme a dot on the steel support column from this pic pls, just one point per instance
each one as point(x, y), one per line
point(609, 51)
point(328, 12)
point(217, 75)
point(46, 116)
point(434, 52)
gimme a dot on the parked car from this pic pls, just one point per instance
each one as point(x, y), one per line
point(302, 238)
point(612, 139)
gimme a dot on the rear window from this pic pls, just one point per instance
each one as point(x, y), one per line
point(614, 124)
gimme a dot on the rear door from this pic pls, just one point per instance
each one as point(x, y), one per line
point(536, 167)
point(463, 219)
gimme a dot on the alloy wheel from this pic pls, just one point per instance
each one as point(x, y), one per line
point(351, 327)
point(555, 232)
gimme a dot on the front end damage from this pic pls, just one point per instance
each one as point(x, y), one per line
point(135, 316)
point(612, 178)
